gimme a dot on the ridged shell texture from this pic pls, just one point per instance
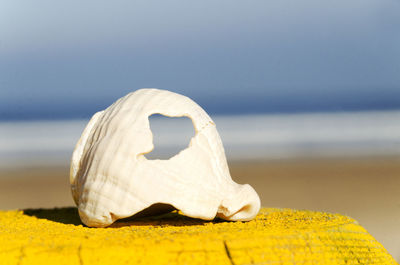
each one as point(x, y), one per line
point(112, 179)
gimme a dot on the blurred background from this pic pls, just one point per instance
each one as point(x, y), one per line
point(305, 94)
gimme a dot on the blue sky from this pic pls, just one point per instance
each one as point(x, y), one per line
point(70, 59)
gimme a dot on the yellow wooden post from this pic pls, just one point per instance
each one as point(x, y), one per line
point(276, 236)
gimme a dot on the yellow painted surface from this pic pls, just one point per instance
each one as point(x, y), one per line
point(276, 236)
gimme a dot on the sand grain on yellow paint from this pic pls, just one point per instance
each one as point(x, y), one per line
point(276, 236)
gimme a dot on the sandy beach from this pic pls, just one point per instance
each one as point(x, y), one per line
point(365, 189)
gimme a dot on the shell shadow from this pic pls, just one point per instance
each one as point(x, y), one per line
point(69, 215)
point(66, 215)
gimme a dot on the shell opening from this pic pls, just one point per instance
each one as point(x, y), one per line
point(171, 135)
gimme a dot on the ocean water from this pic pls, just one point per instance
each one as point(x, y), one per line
point(245, 137)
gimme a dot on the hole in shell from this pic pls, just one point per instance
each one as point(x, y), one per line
point(170, 135)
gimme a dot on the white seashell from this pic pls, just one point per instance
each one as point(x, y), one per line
point(112, 179)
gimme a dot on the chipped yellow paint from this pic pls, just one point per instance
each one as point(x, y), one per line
point(276, 236)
